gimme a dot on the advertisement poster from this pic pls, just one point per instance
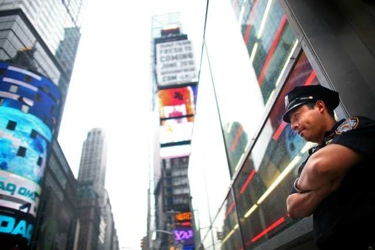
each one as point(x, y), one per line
point(175, 63)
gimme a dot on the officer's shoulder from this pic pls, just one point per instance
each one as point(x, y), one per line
point(354, 123)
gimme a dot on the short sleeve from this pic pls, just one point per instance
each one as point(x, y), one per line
point(360, 137)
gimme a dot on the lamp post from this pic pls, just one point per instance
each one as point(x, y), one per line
point(165, 232)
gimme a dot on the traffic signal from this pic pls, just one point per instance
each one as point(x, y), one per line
point(143, 243)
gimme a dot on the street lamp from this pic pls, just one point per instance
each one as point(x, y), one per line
point(163, 231)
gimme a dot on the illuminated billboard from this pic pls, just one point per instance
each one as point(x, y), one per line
point(29, 105)
point(175, 132)
point(183, 232)
point(175, 63)
point(177, 103)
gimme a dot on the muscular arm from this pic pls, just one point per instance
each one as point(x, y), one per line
point(303, 204)
point(320, 177)
point(326, 165)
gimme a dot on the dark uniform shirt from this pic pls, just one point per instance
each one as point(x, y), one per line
point(346, 218)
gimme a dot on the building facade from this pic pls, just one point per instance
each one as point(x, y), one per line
point(34, 75)
point(92, 174)
point(244, 157)
point(94, 159)
point(174, 88)
point(46, 34)
point(89, 216)
point(57, 225)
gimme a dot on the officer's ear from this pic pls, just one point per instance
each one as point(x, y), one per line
point(320, 106)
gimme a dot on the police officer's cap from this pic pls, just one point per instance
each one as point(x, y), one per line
point(303, 94)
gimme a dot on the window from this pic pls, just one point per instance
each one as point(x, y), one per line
point(265, 179)
point(226, 231)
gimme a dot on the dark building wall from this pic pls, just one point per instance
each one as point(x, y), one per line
point(57, 219)
point(89, 216)
point(339, 36)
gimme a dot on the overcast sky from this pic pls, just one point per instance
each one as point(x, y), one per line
point(110, 89)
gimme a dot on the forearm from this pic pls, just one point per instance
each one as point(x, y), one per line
point(300, 205)
point(303, 204)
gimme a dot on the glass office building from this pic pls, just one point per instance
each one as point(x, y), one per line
point(244, 158)
point(42, 36)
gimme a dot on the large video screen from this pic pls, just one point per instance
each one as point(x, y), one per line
point(177, 104)
point(28, 112)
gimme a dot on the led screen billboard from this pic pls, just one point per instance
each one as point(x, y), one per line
point(184, 233)
point(177, 103)
point(175, 132)
point(28, 110)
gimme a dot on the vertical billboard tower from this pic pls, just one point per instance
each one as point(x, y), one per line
point(28, 112)
point(175, 85)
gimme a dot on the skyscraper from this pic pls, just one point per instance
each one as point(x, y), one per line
point(93, 160)
point(98, 231)
point(39, 40)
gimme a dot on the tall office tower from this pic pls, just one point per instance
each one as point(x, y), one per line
point(174, 88)
point(92, 170)
point(35, 70)
point(94, 159)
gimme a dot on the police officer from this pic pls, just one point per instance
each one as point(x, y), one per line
point(337, 181)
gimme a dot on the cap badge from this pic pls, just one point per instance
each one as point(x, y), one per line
point(286, 101)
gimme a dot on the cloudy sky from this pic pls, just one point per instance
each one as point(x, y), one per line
point(110, 89)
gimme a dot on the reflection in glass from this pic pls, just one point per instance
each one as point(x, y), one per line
point(226, 233)
point(267, 175)
point(260, 49)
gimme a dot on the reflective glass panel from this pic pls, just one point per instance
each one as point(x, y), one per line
point(209, 177)
point(226, 231)
point(265, 180)
point(249, 50)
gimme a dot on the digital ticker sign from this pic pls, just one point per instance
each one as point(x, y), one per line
point(184, 232)
point(29, 105)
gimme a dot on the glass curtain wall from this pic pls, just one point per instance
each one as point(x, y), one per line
point(251, 59)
